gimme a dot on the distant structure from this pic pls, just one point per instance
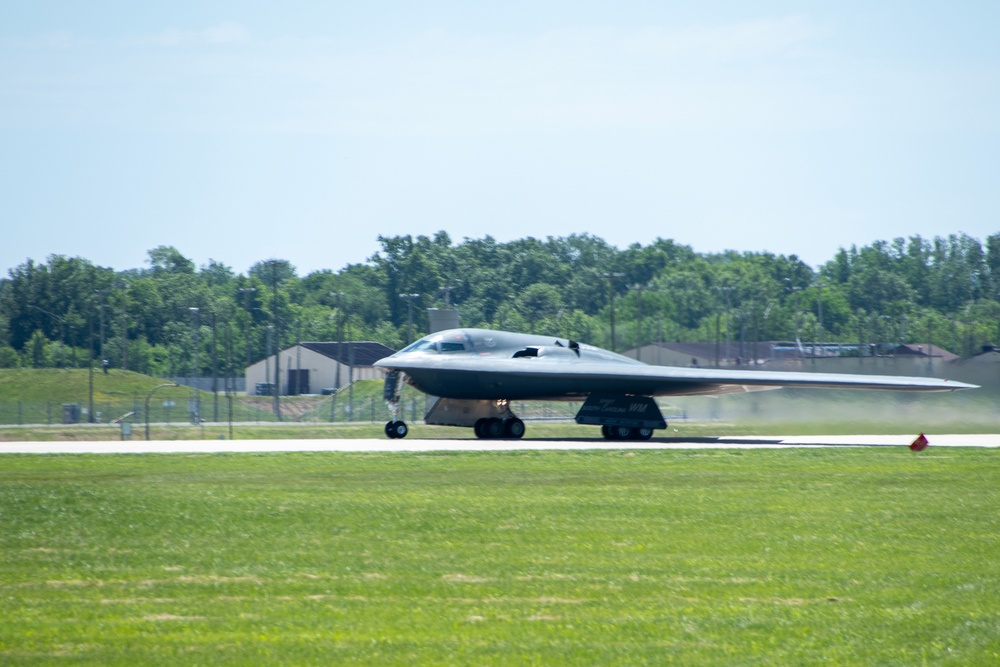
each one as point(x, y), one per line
point(982, 368)
point(439, 319)
point(781, 354)
point(315, 368)
point(925, 350)
point(912, 359)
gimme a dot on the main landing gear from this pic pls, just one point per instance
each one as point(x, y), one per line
point(625, 433)
point(490, 428)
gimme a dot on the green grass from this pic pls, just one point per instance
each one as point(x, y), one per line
point(536, 430)
point(36, 397)
point(717, 557)
point(71, 385)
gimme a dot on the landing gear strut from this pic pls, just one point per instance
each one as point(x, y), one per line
point(395, 427)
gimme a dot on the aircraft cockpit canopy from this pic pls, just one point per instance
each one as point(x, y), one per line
point(438, 343)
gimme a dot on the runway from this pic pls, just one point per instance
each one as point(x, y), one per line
point(470, 445)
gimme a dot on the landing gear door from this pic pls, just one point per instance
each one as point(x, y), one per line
point(630, 411)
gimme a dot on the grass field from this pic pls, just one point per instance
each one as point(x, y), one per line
point(868, 556)
point(35, 397)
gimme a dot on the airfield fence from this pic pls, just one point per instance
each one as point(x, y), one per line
point(242, 409)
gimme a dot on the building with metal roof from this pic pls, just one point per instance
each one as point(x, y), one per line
point(317, 367)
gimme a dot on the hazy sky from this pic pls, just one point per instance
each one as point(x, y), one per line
point(240, 131)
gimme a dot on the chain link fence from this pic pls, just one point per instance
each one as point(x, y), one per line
point(244, 409)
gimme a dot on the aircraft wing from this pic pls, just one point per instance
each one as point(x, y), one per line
point(562, 377)
point(478, 366)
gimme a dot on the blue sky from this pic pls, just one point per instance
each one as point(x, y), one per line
point(240, 131)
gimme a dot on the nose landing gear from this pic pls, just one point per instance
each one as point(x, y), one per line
point(395, 427)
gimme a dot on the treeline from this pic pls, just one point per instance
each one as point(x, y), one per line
point(173, 318)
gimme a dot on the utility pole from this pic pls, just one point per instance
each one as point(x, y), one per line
point(797, 318)
point(350, 364)
point(277, 339)
point(298, 357)
point(820, 297)
point(195, 407)
point(638, 330)
point(726, 291)
point(230, 375)
point(246, 292)
point(102, 293)
point(409, 315)
point(269, 344)
point(340, 342)
point(350, 374)
point(215, 374)
point(861, 335)
point(90, 368)
point(124, 287)
point(611, 293)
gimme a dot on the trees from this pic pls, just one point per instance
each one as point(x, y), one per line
point(945, 290)
point(537, 302)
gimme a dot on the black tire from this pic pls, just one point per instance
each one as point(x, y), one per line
point(644, 433)
point(608, 432)
point(622, 432)
point(479, 429)
point(493, 428)
point(390, 430)
point(400, 429)
point(513, 428)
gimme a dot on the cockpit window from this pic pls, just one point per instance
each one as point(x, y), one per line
point(435, 344)
point(422, 344)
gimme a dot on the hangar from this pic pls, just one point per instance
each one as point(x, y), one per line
point(315, 368)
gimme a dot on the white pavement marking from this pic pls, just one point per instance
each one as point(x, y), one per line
point(464, 445)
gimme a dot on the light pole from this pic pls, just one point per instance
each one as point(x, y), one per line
point(215, 373)
point(168, 384)
point(611, 292)
point(820, 301)
point(246, 292)
point(230, 383)
point(339, 296)
point(102, 293)
point(797, 319)
point(350, 354)
point(298, 358)
point(340, 341)
point(409, 315)
point(638, 330)
point(277, 338)
point(90, 367)
point(124, 288)
point(267, 356)
point(195, 408)
point(726, 291)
